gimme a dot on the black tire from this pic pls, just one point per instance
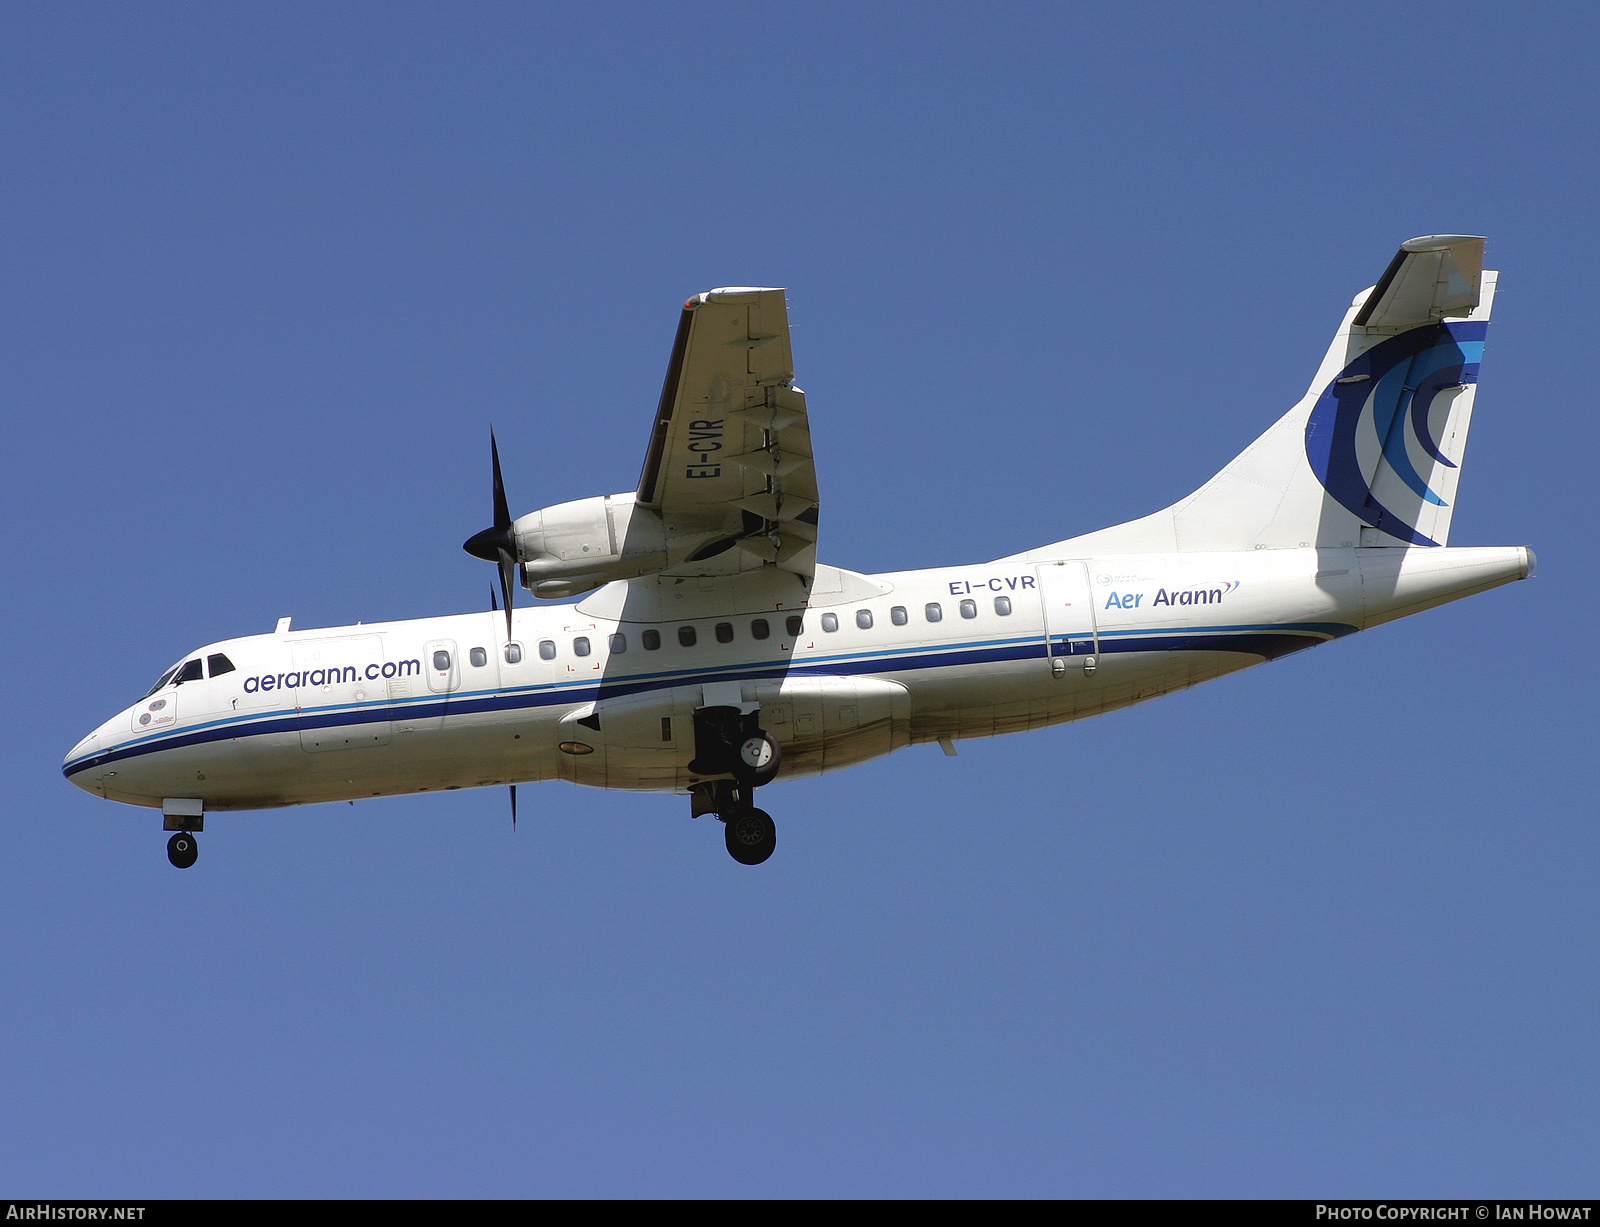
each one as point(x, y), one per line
point(183, 849)
point(756, 759)
point(750, 836)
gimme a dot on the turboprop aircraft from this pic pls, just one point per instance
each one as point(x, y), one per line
point(701, 649)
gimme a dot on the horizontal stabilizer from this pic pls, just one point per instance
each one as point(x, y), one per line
point(1431, 277)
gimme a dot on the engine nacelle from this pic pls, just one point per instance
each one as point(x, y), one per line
point(574, 546)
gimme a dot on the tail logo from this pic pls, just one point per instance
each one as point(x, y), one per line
point(1390, 390)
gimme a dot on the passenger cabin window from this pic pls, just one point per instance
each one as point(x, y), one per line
point(830, 622)
point(759, 629)
point(547, 649)
point(864, 619)
point(724, 632)
point(217, 664)
point(513, 653)
point(969, 609)
point(441, 661)
point(898, 615)
point(619, 644)
point(651, 640)
point(932, 612)
point(191, 672)
point(478, 657)
point(686, 636)
point(1002, 606)
point(794, 624)
point(580, 646)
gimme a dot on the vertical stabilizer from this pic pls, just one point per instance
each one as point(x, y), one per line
point(1372, 454)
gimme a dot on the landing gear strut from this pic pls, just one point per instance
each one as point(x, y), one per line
point(182, 850)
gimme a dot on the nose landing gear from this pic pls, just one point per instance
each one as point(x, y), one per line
point(182, 849)
point(185, 815)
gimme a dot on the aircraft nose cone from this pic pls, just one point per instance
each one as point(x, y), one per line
point(75, 756)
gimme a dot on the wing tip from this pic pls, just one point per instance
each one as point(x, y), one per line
point(731, 293)
point(1438, 242)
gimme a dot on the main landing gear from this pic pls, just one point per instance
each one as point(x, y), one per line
point(750, 835)
point(182, 849)
point(729, 743)
point(749, 832)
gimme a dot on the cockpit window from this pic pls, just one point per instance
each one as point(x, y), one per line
point(165, 678)
point(217, 663)
point(190, 672)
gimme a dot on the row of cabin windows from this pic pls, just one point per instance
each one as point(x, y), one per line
point(760, 628)
point(932, 611)
point(650, 639)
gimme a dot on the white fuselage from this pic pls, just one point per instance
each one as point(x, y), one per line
point(449, 702)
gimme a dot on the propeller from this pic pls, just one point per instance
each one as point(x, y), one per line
point(498, 543)
point(492, 546)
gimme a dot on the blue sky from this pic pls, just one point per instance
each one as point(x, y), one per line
point(1326, 927)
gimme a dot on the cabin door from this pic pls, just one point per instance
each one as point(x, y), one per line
point(1069, 622)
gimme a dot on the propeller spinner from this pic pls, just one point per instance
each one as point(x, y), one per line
point(498, 543)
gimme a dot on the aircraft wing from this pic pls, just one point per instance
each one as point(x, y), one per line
point(731, 447)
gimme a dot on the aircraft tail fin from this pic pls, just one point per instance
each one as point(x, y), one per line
point(1372, 454)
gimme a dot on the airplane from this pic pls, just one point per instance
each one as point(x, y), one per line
point(702, 649)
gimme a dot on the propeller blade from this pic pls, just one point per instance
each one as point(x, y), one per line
point(502, 513)
point(508, 569)
point(498, 543)
point(513, 807)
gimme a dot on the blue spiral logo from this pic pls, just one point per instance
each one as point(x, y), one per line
point(1392, 386)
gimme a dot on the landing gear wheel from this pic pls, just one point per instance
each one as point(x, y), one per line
point(750, 836)
point(182, 849)
point(758, 759)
